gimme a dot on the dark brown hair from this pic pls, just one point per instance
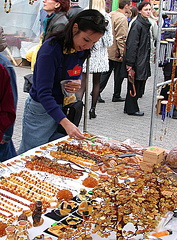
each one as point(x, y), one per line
point(64, 6)
point(122, 3)
point(134, 11)
point(86, 20)
point(143, 4)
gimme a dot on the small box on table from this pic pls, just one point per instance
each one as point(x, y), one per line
point(153, 155)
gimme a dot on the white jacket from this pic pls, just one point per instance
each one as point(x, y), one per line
point(99, 53)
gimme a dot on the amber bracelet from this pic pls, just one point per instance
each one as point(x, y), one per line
point(5, 210)
point(15, 200)
point(5, 203)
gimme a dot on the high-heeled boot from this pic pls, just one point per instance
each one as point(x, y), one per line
point(92, 113)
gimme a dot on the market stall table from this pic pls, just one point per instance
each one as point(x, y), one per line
point(60, 182)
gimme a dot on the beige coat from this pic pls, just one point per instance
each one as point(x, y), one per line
point(120, 32)
point(3, 43)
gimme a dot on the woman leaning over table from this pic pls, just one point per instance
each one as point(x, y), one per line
point(61, 55)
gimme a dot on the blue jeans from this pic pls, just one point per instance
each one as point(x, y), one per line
point(38, 127)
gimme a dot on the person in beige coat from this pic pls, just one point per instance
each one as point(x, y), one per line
point(116, 51)
point(3, 43)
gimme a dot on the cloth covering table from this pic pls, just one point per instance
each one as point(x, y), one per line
point(34, 231)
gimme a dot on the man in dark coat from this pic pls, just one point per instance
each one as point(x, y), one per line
point(137, 58)
point(74, 9)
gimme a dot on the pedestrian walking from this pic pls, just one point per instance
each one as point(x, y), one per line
point(116, 50)
point(137, 59)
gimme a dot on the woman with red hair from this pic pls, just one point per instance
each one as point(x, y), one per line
point(56, 18)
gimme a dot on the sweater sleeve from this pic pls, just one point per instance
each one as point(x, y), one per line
point(7, 109)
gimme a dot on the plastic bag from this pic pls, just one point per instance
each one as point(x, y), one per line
point(68, 97)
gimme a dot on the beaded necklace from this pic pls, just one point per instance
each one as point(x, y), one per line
point(5, 210)
point(9, 205)
point(15, 200)
point(31, 2)
point(172, 97)
point(5, 6)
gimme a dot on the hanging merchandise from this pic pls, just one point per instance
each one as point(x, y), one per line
point(7, 6)
point(165, 51)
point(169, 5)
point(170, 45)
point(31, 2)
point(172, 97)
point(163, 129)
point(162, 53)
point(175, 65)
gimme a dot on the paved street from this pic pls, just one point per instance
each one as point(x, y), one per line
point(111, 121)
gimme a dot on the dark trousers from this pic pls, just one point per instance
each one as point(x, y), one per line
point(118, 79)
point(7, 151)
point(131, 103)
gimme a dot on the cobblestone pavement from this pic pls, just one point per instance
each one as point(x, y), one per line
point(111, 121)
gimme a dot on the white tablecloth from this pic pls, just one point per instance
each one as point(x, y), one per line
point(34, 231)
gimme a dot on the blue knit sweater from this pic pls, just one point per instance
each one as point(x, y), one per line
point(49, 71)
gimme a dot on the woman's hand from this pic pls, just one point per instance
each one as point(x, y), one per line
point(71, 129)
point(73, 86)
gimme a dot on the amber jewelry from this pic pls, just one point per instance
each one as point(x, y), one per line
point(11, 208)
point(5, 6)
point(15, 200)
point(5, 202)
point(31, 2)
point(22, 192)
point(5, 210)
point(52, 202)
point(27, 176)
point(60, 212)
point(47, 165)
point(3, 218)
point(28, 187)
point(75, 159)
point(171, 98)
point(11, 220)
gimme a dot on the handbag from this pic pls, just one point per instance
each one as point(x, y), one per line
point(73, 112)
point(28, 82)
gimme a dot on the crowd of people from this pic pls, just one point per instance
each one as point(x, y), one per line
point(119, 41)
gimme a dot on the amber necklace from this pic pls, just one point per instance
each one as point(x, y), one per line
point(5, 210)
point(172, 98)
point(5, 6)
point(31, 2)
point(175, 65)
